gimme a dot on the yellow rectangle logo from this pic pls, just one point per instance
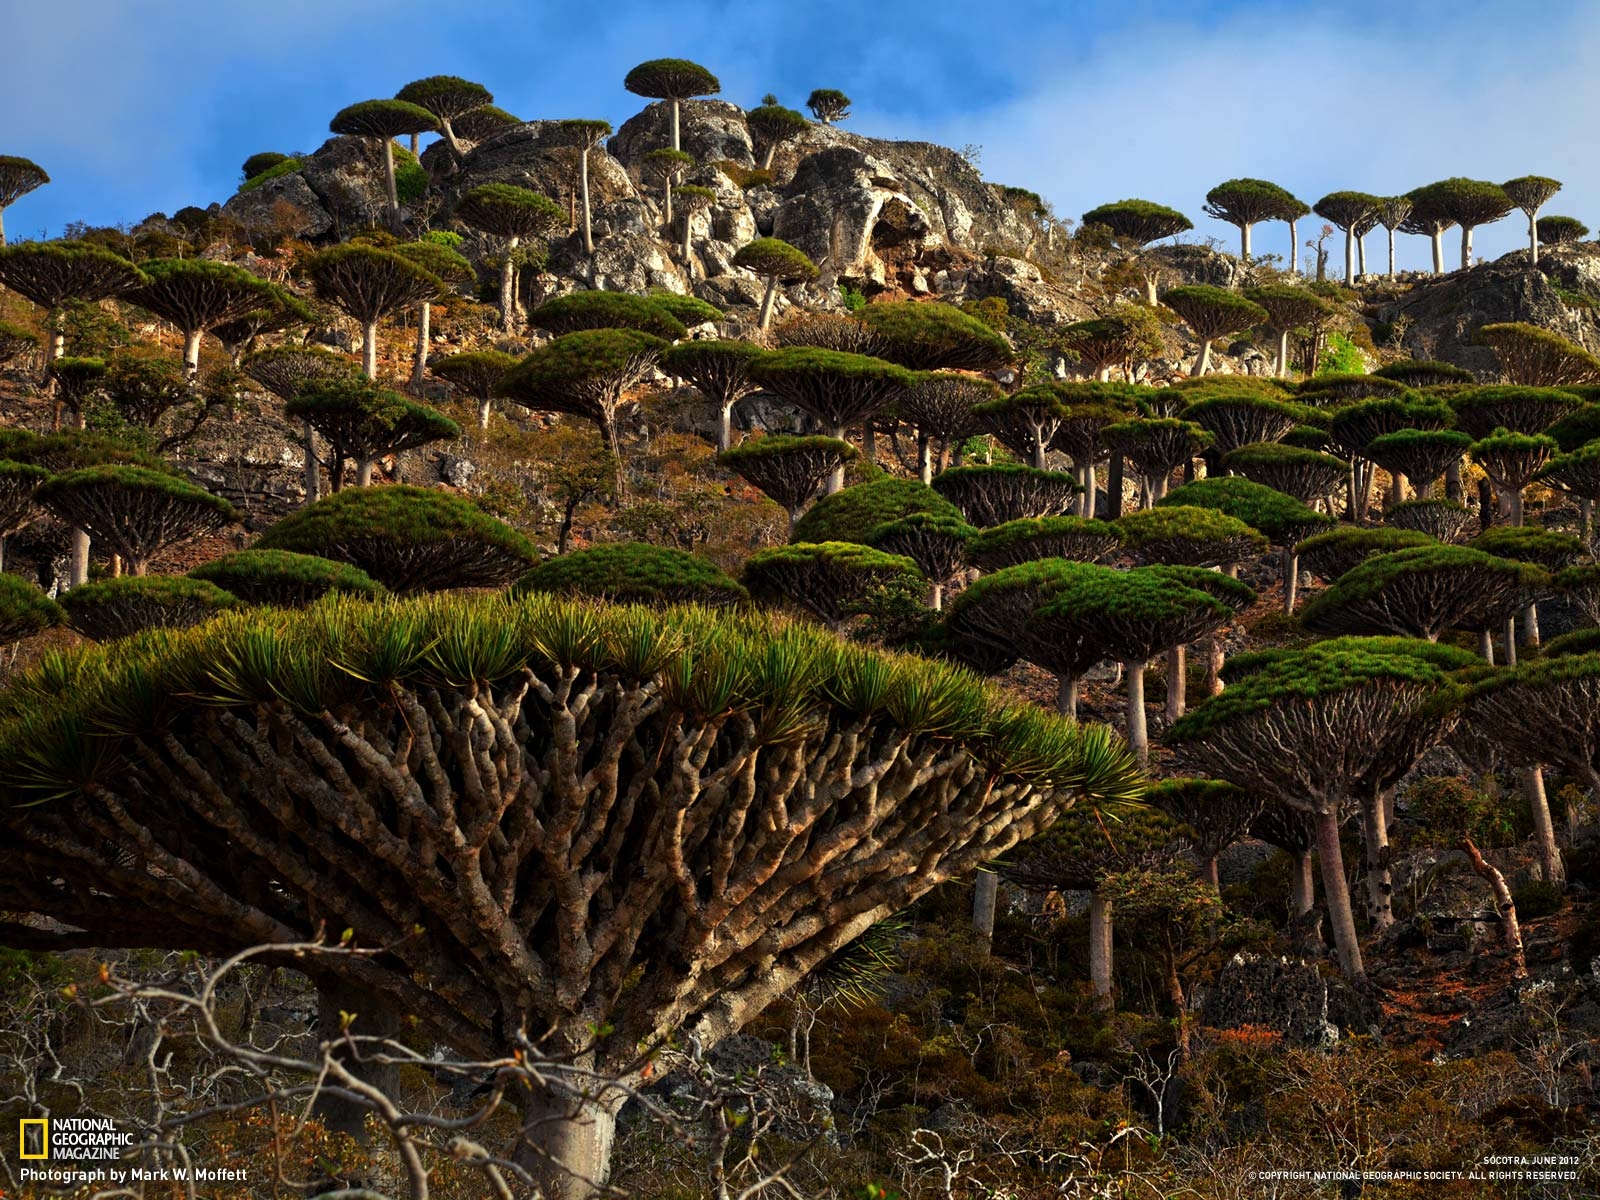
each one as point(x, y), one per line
point(33, 1137)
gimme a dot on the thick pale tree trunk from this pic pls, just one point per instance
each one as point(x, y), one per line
point(1331, 859)
point(1555, 870)
point(1349, 257)
point(924, 457)
point(1067, 696)
point(985, 896)
point(1504, 905)
point(1203, 359)
point(1452, 482)
point(1533, 238)
point(1138, 737)
point(1177, 667)
point(1391, 254)
point(1244, 243)
point(2, 227)
point(1216, 654)
point(191, 352)
point(1090, 487)
point(1115, 482)
point(388, 178)
point(1361, 257)
point(1282, 371)
point(1375, 839)
point(675, 144)
point(1209, 872)
point(583, 187)
point(1437, 238)
point(574, 1139)
point(312, 475)
point(78, 566)
point(1291, 579)
point(725, 427)
point(364, 472)
point(1294, 249)
point(1486, 646)
point(369, 350)
point(508, 299)
point(424, 329)
point(1100, 950)
point(1466, 246)
point(766, 304)
point(1302, 891)
point(836, 476)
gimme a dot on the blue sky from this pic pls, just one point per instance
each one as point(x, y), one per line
point(137, 106)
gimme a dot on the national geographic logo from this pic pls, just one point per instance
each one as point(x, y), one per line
point(75, 1139)
point(33, 1138)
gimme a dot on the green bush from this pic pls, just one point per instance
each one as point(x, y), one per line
point(743, 177)
point(1449, 809)
point(606, 310)
point(634, 573)
point(686, 310)
point(283, 578)
point(852, 514)
point(287, 167)
point(24, 610)
point(1340, 357)
point(119, 608)
point(854, 301)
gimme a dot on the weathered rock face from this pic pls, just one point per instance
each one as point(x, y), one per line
point(539, 156)
point(1284, 995)
point(260, 206)
point(341, 188)
point(711, 130)
point(1446, 312)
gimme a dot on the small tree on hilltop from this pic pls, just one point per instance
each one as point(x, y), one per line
point(1559, 231)
point(381, 121)
point(135, 512)
point(938, 545)
point(1537, 357)
point(452, 270)
point(363, 423)
point(1005, 492)
point(286, 371)
point(197, 294)
point(586, 134)
point(929, 336)
point(667, 166)
point(772, 125)
point(448, 98)
point(941, 405)
point(835, 390)
point(1393, 212)
point(1025, 422)
point(18, 177)
point(1512, 461)
point(1349, 211)
point(1288, 306)
point(1212, 312)
point(516, 214)
point(773, 259)
point(828, 105)
point(1126, 335)
point(481, 124)
point(606, 310)
point(833, 581)
point(852, 514)
point(1031, 538)
point(787, 469)
point(477, 373)
point(1428, 219)
point(1215, 813)
point(408, 539)
point(1421, 593)
point(119, 608)
point(691, 199)
point(635, 573)
point(719, 371)
point(284, 579)
point(1318, 732)
point(673, 80)
point(1137, 223)
point(1157, 446)
point(52, 274)
point(1530, 193)
point(369, 284)
point(585, 374)
point(1245, 202)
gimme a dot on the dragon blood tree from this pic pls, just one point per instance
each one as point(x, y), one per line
point(1292, 831)
point(1156, 447)
point(380, 122)
point(789, 470)
point(938, 545)
point(586, 133)
point(133, 511)
point(1412, 373)
point(720, 371)
point(835, 390)
point(666, 821)
point(994, 611)
point(1560, 231)
point(1321, 731)
point(286, 371)
point(363, 423)
point(1349, 211)
point(1212, 312)
point(1135, 224)
point(1353, 427)
point(1031, 538)
point(1467, 203)
point(1484, 411)
point(18, 483)
point(775, 261)
point(940, 405)
point(606, 310)
point(1441, 520)
point(436, 255)
point(1288, 306)
point(1007, 492)
point(1307, 475)
point(448, 98)
point(1283, 520)
point(198, 294)
point(284, 579)
point(852, 514)
point(585, 374)
point(929, 336)
point(833, 581)
point(1537, 357)
point(1420, 456)
point(477, 373)
point(1240, 419)
point(771, 125)
point(119, 608)
point(634, 573)
point(1126, 335)
point(516, 214)
point(1578, 474)
point(52, 274)
point(1512, 461)
point(1530, 193)
point(1329, 555)
point(18, 177)
point(828, 105)
point(1079, 852)
point(1025, 421)
point(1247, 202)
point(1393, 212)
point(24, 610)
point(673, 80)
point(1215, 813)
point(408, 539)
point(368, 284)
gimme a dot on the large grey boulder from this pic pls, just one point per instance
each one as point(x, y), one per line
point(261, 207)
point(541, 157)
point(711, 130)
point(1285, 995)
point(845, 209)
point(339, 189)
